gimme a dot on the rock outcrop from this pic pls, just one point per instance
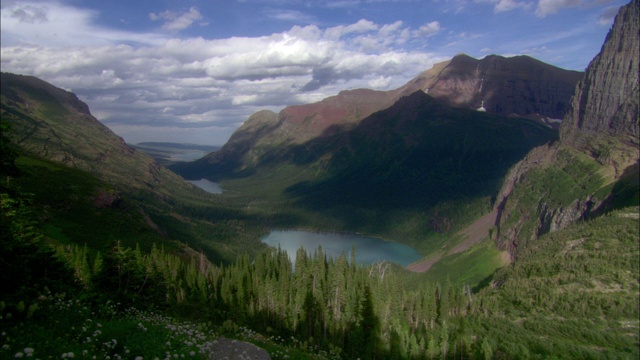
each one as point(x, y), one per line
point(604, 111)
point(606, 100)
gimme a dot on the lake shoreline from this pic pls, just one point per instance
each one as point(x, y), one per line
point(367, 249)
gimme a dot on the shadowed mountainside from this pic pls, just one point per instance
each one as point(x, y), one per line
point(418, 152)
point(518, 87)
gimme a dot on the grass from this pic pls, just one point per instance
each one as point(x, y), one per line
point(64, 327)
point(469, 267)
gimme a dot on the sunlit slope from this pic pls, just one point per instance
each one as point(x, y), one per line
point(52, 123)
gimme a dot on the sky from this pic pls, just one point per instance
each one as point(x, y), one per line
point(191, 71)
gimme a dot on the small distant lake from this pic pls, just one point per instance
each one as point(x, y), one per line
point(208, 186)
point(368, 250)
point(188, 155)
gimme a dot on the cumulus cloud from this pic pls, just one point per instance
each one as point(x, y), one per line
point(54, 24)
point(150, 84)
point(177, 21)
point(428, 30)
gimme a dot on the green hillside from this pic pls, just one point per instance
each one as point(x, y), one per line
point(74, 244)
point(571, 294)
point(415, 173)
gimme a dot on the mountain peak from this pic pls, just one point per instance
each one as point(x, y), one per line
point(509, 86)
point(13, 83)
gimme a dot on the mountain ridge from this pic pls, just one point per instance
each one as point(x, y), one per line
point(53, 123)
point(455, 82)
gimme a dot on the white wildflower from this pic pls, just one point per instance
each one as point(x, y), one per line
point(19, 354)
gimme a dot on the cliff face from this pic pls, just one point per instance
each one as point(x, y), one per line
point(560, 183)
point(606, 100)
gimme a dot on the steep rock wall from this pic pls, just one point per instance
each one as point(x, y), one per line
point(606, 100)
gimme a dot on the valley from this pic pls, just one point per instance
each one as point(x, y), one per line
point(169, 153)
point(399, 224)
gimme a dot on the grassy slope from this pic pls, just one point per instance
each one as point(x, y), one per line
point(575, 289)
point(73, 207)
point(568, 175)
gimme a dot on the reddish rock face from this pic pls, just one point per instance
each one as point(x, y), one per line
point(516, 86)
point(333, 114)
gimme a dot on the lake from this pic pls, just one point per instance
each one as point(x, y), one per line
point(368, 250)
point(208, 186)
point(188, 155)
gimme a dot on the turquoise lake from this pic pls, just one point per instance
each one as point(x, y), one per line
point(368, 250)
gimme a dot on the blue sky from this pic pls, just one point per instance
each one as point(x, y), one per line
point(194, 70)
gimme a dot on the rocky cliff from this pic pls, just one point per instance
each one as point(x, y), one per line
point(606, 100)
point(591, 167)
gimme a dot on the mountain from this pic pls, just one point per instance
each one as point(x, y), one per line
point(572, 291)
point(594, 168)
point(50, 122)
point(606, 100)
point(517, 87)
point(88, 187)
point(411, 172)
point(418, 152)
point(514, 86)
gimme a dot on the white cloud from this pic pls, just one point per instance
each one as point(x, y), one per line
point(508, 5)
point(362, 26)
point(550, 7)
point(53, 24)
point(428, 30)
point(198, 84)
point(175, 21)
